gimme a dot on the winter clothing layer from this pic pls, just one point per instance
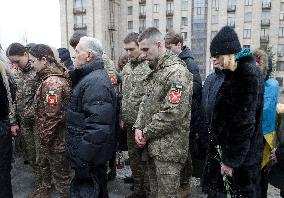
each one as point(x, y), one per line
point(192, 67)
point(210, 91)
point(51, 101)
point(237, 129)
point(90, 137)
point(225, 42)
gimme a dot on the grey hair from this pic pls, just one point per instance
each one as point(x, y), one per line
point(92, 45)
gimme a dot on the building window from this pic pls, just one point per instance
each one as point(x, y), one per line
point(246, 46)
point(264, 34)
point(130, 10)
point(248, 17)
point(184, 21)
point(215, 4)
point(80, 20)
point(142, 25)
point(282, 6)
point(170, 5)
point(142, 8)
point(280, 49)
point(280, 67)
point(265, 15)
point(248, 2)
point(156, 8)
point(130, 25)
point(231, 3)
point(156, 23)
point(169, 24)
point(199, 11)
point(281, 32)
point(281, 16)
point(184, 35)
point(247, 33)
point(184, 5)
point(213, 34)
point(231, 20)
point(215, 19)
point(79, 3)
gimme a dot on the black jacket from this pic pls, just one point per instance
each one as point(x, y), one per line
point(236, 127)
point(210, 91)
point(90, 138)
point(192, 67)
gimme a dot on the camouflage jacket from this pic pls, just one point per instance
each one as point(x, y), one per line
point(164, 114)
point(111, 71)
point(51, 102)
point(134, 76)
point(23, 107)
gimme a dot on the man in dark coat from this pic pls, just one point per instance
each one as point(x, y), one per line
point(90, 138)
point(235, 139)
point(174, 42)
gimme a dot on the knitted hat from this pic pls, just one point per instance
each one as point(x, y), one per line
point(226, 41)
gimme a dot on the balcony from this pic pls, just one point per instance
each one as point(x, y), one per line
point(79, 10)
point(142, 29)
point(80, 26)
point(169, 13)
point(142, 15)
point(264, 39)
point(266, 5)
point(231, 8)
point(111, 27)
point(265, 22)
point(142, 1)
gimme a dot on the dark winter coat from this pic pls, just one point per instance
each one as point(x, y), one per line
point(192, 67)
point(90, 137)
point(236, 127)
point(210, 91)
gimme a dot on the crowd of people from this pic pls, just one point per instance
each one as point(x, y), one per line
point(73, 116)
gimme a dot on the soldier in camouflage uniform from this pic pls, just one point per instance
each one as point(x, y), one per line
point(163, 119)
point(22, 113)
point(51, 101)
point(134, 75)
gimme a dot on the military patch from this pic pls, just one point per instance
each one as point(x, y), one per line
point(51, 98)
point(112, 78)
point(175, 93)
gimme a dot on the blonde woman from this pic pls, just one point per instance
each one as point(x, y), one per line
point(235, 138)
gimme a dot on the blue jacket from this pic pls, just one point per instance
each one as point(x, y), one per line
point(90, 138)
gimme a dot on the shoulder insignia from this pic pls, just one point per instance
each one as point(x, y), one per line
point(51, 98)
point(112, 78)
point(175, 93)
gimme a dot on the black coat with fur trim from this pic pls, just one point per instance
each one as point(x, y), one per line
point(236, 127)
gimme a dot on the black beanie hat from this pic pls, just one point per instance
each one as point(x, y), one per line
point(226, 41)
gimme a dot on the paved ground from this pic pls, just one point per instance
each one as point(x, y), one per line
point(22, 180)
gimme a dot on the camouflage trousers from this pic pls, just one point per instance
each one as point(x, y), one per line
point(137, 165)
point(164, 178)
point(29, 143)
point(186, 172)
point(55, 166)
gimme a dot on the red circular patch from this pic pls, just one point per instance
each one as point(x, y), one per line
point(174, 97)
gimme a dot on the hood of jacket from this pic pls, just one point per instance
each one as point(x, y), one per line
point(50, 70)
point(185, 53)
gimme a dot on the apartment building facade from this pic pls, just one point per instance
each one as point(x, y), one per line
point(259, 23)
